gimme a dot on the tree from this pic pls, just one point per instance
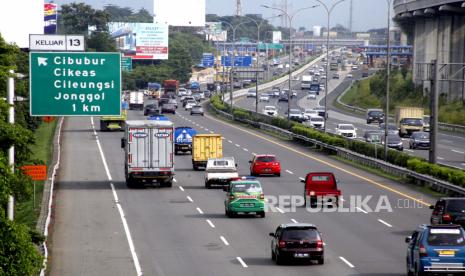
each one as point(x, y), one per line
point(101, 42)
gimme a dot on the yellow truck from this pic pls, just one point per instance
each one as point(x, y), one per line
point(108, 123)
point(409, 120)
point(205, 146)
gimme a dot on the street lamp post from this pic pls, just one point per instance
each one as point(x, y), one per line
point(388, 73)
point(329, 10)
point(290, 18)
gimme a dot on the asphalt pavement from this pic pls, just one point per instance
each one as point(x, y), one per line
point(183, 230)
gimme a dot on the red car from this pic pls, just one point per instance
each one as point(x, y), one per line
point(265, 164)
point(320, 184)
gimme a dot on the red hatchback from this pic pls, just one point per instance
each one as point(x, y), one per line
point(265, 164)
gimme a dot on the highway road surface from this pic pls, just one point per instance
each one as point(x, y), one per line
point(451, 146)
point(103, 228)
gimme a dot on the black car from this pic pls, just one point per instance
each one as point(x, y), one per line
point(375, 115)
point(449, 210)
point(163, 100)
point(300, 241)
point(197, 110)
point(419, 140)
point(185, 99)
point(168, 108)
point(394, 142)
point(151, 109)
point(392, 129)
point(283, 97)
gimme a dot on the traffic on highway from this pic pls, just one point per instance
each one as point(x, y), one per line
point(207, 197)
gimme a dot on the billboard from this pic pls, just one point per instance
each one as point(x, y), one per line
point(179, 12)
point(277, 36)
point(50, 18)
point(19, 18)
point(214, 32)
point(141, 40)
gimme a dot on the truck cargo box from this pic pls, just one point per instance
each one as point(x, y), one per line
point(205, 146)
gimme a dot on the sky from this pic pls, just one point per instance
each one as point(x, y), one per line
point(367, 14)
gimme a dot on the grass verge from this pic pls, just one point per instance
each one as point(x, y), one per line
point(27, 212)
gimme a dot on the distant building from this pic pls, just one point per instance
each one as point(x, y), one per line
point(317, 30)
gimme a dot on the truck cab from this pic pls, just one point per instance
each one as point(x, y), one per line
point(183, 139)
point(319, 185)
point(220, 171)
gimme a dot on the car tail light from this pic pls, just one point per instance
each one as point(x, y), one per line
point(319, 244)
point(275, 164)
point(282, 244)
point(262, 196)
point(423, 252)
point(446, 217)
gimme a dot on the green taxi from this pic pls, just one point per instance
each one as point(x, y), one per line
point(244, 196)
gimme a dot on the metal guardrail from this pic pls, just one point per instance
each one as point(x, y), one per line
point(422, 179)
point(442, 126)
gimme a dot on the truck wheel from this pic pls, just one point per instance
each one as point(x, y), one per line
point(262, 214)
point(103, 126)
point(131, 183)
point(207, 185)
point(167, 183)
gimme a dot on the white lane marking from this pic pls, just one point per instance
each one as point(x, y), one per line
point(181, 188)
point(237, 145)
point(301, 178)
point(280, 210)
point(245, 149)
point(224, 240)
point(174, 179)
point(189, 198)
point(409, 150)
point(385, 223)
point(289, 172)
point(211, 131)
point(118, 205)
point(463, 164)
point(346, 261)
point(239, 259)
point(222, 138)
point(459, 152)
point(229, 141)
point(199, 210)
point(342, 199)
point(294, 221)
point(253, 153)
point(361, 210)
point(206, 129)
point(210, 223)
point(440, 158)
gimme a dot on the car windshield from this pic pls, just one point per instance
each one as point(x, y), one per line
point(346, 127)
point(196, 107)
point(446, 237)
point(246, 188)
point(270, 108)
point(413, 122)
point(421, 136)
point(266, 159)
point(295, 111)
point(317, 119)
point(300, 234)
point(456, 205)
point(375, 113)
point(394, 139)
point(191, 102)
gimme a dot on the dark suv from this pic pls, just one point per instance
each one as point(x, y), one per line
point(449, 210)
point(375, 115)
point(301, 241)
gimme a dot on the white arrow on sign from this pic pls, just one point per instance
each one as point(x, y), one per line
point(42, 61)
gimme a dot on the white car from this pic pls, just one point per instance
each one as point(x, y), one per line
point(190, 104)
point(251, 93)
point(270, 110)
point(315, 121)
point(310, 113)
point(311, 95)
point(182, 92)
point(355, 67)
point(349, 76)
point(346, 130)
point(219, 171)
point(264, 98)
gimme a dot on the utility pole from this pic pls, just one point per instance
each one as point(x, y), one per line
point(11, 150)
point(434, 111)
point(351, 18)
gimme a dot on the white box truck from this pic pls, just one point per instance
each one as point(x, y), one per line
point(148, 149)
point(306, 82)
point(136, 100)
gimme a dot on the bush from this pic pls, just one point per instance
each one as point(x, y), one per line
point(242, 114)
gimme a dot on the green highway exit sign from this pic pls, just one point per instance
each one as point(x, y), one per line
point(126, 63)
point(74, 84)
